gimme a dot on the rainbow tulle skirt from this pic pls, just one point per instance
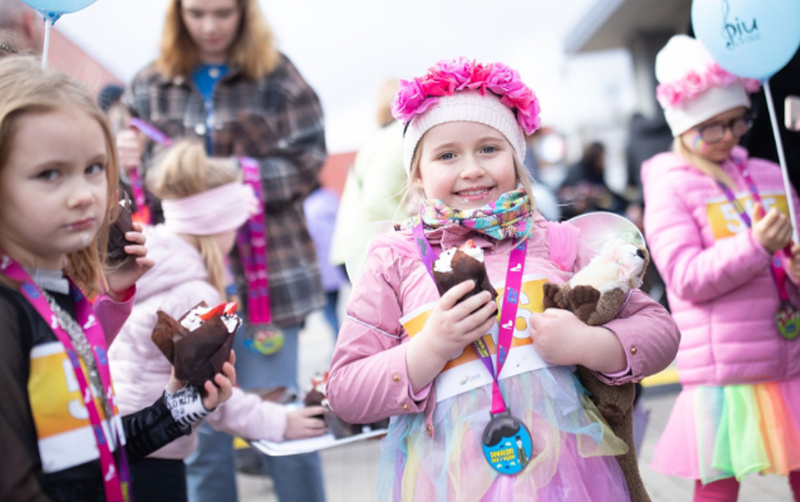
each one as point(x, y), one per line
point(722, 432)
point(573, 447)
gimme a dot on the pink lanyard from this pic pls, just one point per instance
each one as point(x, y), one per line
point(251, 239)
point(136, 181)
point(116, 483)
point(776, 267)
point(508, 313)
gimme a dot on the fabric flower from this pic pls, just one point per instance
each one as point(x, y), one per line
point(410, 95)
point(458, 69)
point(694, 83)
point(668, 95)
point(450, 76)
point(751, 85)
point(438, 84)
point(504, 80)
point(480, 73)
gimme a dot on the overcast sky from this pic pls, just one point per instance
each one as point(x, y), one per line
point(346, 48)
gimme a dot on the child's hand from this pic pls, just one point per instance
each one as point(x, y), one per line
point(448, 330)
point(452, 327)
point(215, 394)
point(563, 339)
point(120, 279)
point(301, 423)
point(794, 263)
point(773, 231)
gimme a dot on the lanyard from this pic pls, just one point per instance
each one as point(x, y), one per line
point(116, 483)
point(136, 181)
point(776, 267)
point(508, 313)
point(251, 238)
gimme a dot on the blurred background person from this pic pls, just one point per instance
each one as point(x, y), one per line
point(321, 208)
point(585, 190)
point(374, 188)
point(220, 79)
point(24, 25)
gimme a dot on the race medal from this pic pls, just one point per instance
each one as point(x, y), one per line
point(507, 444)
point(788, 320)
point(265, 341)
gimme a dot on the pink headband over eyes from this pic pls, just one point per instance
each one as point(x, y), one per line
point(214, 211)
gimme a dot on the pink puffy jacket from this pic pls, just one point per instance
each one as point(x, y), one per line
point(368, 376)
point(140, 372)
point(718, 280)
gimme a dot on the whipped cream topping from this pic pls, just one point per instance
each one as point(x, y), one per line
point(445, 261)
point(192, 321)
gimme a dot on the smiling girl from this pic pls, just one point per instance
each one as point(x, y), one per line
point(405, 351)
point(716, 223)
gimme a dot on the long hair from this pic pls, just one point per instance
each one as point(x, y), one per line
point(253, 51)
point(709, 168)
point(185, 170)
point(27, 89)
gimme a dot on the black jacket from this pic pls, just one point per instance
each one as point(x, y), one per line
point(21, 476)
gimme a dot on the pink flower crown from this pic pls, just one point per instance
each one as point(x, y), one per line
point(448, 77)
point(674, 93)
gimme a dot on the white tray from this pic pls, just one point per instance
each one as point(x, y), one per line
point(297, 446)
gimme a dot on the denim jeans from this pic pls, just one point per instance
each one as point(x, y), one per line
point(210, 472)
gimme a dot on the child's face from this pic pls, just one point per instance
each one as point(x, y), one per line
point(466, 165)
point(715, 138)
point(225, 241)
point(212, 25)
point(53, 187)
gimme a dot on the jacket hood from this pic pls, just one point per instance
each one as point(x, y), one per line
point(176, 262)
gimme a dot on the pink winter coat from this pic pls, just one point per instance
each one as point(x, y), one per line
point(368, 377)
point(720, 289)
point(140, 371)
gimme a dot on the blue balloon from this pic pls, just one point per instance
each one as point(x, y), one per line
point(53, 9)
point(749, 38)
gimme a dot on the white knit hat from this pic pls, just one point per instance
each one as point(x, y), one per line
point(707, 96)
point(465, 106)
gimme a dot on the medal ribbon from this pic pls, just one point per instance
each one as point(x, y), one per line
point(508, 312)
point(251, 238)
point(116, 474)
point(136, 181)
point(776, 267)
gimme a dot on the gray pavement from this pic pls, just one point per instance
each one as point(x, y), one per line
point(351, 471)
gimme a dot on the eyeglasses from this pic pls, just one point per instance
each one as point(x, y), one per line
point(713, 133)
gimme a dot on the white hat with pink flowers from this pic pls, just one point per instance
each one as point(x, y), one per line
point(693, 87)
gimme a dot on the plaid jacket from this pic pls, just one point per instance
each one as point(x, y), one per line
point(276, 120)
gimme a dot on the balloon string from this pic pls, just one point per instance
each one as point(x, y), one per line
point(787, 186)
point(48, 26)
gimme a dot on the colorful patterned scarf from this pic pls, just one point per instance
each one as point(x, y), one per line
point(510, 216)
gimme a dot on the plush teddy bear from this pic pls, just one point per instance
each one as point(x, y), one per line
point(595, 294)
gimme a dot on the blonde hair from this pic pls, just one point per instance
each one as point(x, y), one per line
point(253, 51)
point(709, 168)
point(27, 89)
point(413, 193)
point(185, 170)
point(385, 97)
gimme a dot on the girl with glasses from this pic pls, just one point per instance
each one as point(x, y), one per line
point(716, 224)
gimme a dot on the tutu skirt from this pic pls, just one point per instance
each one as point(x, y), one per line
point(573, 448)
point(715, 433)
